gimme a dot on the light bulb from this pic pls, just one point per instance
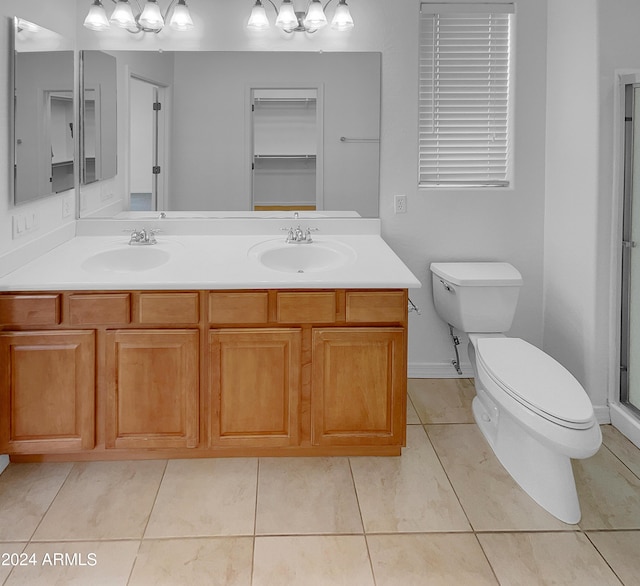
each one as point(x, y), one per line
point(97, 18)
point(258, 20)
point(123, 15)
point(181, 18)
point(342, 20)
point(151, 17)
point(315, 18)
point(287, 19)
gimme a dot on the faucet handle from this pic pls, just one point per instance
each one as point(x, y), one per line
point(151, 235)
point(307, 235)
point(134, 235)
point(290, 236)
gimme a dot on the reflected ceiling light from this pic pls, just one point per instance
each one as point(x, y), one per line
point(145, 19)
point(25, 25)
point(310, 21)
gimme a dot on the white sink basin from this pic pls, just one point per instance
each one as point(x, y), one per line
point(319, 255)
point(127, 259)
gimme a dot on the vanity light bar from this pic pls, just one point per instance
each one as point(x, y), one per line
point(148, 19)
point(291, 21)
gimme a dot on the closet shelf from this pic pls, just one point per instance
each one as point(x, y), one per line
point(292, 100)
point(285, 156)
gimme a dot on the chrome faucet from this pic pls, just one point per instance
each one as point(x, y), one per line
point(143, 237)
point(299, 236)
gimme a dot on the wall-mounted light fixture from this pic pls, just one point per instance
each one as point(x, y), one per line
point(310, 21)
point(148, 19)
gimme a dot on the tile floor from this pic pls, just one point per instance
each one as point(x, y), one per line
point(444, 513)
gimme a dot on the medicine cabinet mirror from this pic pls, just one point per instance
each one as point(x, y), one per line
point(199, 153)
point(43, 113)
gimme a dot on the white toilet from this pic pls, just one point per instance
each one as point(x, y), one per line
point(535, 415)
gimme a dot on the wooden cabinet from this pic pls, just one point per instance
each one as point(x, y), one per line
point(146, 374)
point(255, 385)
point(46, 391)
point(152, 397)
point(358, 386)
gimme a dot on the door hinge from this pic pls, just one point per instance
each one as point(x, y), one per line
point(157, 106)
point(629, 244)
point(155, 170)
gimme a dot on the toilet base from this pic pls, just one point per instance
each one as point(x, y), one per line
point(544, 474)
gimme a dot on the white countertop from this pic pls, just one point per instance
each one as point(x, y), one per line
point(209, 262)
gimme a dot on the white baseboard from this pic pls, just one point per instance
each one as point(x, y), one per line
point(603, 415)
point(4, 462)
point(438, 370)
point(624, 422)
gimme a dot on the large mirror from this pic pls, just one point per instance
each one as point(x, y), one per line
point(189, 138)
point(43, 112)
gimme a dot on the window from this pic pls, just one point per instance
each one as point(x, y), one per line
point(464, 101)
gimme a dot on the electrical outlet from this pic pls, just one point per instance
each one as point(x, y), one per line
point(401, 204)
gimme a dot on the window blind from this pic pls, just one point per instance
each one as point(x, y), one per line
point(464, 94)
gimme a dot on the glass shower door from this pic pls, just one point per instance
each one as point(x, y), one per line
point(630, 343)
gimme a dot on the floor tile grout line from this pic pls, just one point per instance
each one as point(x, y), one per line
point(486, 557)
point(26, 544)
point(615, 455)
point(30, 540)
point(364, 531)
point(255, 520)
point(155, 499)
point(53, 500)
point(146, 525)
point(604, 558)
point(453, 488)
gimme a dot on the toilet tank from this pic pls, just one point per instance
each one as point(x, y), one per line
point(476, 296)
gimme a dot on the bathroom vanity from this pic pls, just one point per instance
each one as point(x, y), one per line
point(241, 360)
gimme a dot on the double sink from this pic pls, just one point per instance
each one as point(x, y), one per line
point(274, 254)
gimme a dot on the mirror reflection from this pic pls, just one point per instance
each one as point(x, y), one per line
point(236, 131)
point(43, 112)
point(99, 144)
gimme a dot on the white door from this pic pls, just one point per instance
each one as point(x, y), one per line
point(146, 164)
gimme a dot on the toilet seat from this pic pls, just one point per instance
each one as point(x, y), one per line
point(535, 380)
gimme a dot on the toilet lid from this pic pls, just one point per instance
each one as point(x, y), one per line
point(536, 380)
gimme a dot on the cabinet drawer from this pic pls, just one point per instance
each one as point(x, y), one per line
point(238, 308)
point(306, 307)
point(169, 308)
point(376, 306)
point(107, 309)
point(29, 310)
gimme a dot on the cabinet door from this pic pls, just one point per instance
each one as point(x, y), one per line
point(255, 378)
point(358, 392)
point(152, 389)
point(47, 389)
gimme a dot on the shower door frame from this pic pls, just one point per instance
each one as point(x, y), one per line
point(624, 417)
point(627, 243)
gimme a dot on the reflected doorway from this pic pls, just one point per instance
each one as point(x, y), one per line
point(146, 145)
point(287, 162)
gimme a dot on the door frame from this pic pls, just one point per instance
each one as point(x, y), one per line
point(248, 142)
point(161, 141)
